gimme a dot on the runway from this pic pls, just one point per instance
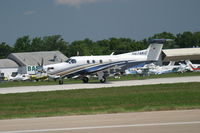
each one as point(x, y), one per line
point(182, 121)
point(98, 85)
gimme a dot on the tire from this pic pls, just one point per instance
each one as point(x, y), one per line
point(103, 80)
point(85, 79)
point(60, 82)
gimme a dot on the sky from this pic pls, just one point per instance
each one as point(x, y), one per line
point(96, 19)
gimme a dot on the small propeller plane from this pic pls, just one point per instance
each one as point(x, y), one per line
point(193, 67)
point(85, 66)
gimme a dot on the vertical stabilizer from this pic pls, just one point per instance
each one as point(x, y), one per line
point(154, 51)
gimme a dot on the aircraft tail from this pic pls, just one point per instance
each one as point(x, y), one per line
point(154, 51)
point(190, 65)
point(171, 63)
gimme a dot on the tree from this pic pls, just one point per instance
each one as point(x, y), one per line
point(185, 40)
point(54, 42)
point(22, 44)
point(37, 44)
point(5, 50)
point(166, 35)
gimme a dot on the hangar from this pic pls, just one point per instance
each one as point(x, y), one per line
point(8, 68)
point(181, 54)
point(27, 62)
point(33, 58)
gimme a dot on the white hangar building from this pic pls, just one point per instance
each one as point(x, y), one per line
point(8, 68)
point(182, 54)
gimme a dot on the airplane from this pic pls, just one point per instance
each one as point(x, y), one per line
point(170, 68)
point(154, 69)
point(193, 67)
point(19, 77)
point(85, 66)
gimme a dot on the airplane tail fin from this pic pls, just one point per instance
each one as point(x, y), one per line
point(190, 65)
point(154, 51)
point(171, 63)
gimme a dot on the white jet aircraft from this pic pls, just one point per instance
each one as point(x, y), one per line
point(85, 66)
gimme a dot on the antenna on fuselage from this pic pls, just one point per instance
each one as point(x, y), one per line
point(112, 53)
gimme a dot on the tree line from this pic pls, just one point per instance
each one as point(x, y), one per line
point(102, 47)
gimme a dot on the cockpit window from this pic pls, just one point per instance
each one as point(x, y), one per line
point(71, 61)
point(68, 60)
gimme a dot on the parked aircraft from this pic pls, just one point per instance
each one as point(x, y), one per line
point(193, 67)
point(170, 68)
point(101, 66)
point(154, 69)
point(19, 77)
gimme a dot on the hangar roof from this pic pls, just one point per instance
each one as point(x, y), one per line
point(33, 58)
point(7, 63)
point(182, 54)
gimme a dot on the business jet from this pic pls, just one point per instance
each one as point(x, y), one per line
point(101, 66)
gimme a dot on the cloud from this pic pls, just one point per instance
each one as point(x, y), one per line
point(77, 3)
point(29, 13)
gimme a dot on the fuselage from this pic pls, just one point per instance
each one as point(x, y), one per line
point(84, 65)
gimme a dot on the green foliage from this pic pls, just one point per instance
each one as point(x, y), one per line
point(22, 44)
point(102, 47)
point(5, 50)
point(188, 39)
point(104, 100)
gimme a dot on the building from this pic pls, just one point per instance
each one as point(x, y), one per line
point(8, 68)
point(182, 54)
point(29, 62)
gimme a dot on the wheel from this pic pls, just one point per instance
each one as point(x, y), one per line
point(103, 80)
point(60, 81)
point(85, 79)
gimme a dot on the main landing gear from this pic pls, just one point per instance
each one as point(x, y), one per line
point(61, 81)
point(85, 79)
point(103, 79)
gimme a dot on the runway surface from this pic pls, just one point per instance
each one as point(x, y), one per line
point(98, 85)
point(182, 121)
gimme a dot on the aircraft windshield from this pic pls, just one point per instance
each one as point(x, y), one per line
point(71, 61)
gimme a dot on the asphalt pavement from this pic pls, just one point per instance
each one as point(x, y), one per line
point(180, 121)
point(25, 89)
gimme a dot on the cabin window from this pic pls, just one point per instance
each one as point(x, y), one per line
point(93, 61)
point(100, 61)
point(88, 61)
point(69, 61)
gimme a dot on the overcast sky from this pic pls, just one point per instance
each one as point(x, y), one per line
point(96, 19)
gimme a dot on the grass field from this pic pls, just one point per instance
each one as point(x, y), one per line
point(69, 81)
point(106, 100)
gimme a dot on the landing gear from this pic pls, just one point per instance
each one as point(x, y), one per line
point(103, 80)
point(101, 77)
point(61, 81)
point(85, 79)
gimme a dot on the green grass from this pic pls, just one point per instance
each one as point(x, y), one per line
point(105, 100)
point(72, 81)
